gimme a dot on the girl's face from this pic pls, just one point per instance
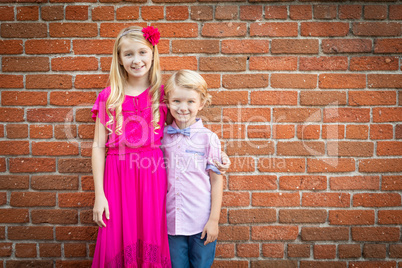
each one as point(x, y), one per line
point(184, 105)
point(135, 57)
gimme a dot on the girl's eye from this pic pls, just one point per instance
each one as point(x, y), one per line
point(143, 52)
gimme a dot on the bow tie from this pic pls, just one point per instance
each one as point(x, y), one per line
point(172, 130)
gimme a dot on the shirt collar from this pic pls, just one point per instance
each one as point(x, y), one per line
point(194, 127)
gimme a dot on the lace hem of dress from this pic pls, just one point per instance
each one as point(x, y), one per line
point(138, 254)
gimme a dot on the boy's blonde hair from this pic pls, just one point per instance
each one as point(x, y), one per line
point(189, 80)
point(118, 77)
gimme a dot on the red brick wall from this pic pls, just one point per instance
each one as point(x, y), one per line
point(306, 100)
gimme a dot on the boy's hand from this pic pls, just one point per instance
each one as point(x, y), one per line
point(225, 165)
point(211, 230)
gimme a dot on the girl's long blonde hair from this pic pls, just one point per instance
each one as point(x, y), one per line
point(118, 76)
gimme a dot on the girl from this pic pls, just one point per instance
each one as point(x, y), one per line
point(131, 185)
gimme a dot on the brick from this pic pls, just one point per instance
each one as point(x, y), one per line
point(6, 249)
point(353, 12)
point(376, 63)
point(91, 81)
point(231, 263)
point(325, 12)
point(54, 216)
point(352, 217)
point(398, 131)
point(11, 81)
point(23, 98)
point(223, 29)
point(276, 12)
point(32, 199)
point(27, 13)
point(324, 233)
point(274, 29)
point(375, 12)
point(388, 46)
point(395, 12)
point(273, 98)
point(7, 13)
point(76, 233)
point(11, 115)
point(389, 148)
point(14, 147)
point(261, 215)
point(48, 81)
point(49, 250)
point(87, 183)
point(152, 12)
point(195, 46)
point(246, 114)
point(86, 132)
point(348, 251)
point(76, 12)
point(376, 29)
point(248, 250)
point(283, 131)
point(201, 13)
point(346, 45)
point(271, 232)
point(14, 182)
point(294, 46)
point(25, 250)
point(30, 233)
point(242, 164)
point(14, 215)
point(29, 263)
point(380, 165)
point(177, 13)
point(302, 216)
point(226, 12)
point(75, 165)
point(300, 12)
point(54, 148)
point(177, 29)
point(233, 233)
point(393, 114)
point(11, 46)
point(54, 182)
point(225, 250)
point(76, 200)
point(302, 183)
point(384, 81)
point(308, 132)
point(273, 63)
point(258, 131)
point(298, 251)
point(79, 263)
point(281, 164)
point(104, 46)
point(47, 46)
point(346, 115)
point(357, 132)
point(297, 81)
point(235, 199)
point(75, 64)
point(72, 250)
point(371, 264)
point(381, 131)
point(355, 183)
point(40, 131)
point(395, 251)
point(276, 199)
point(23, 30)
point(297, 115)
point(322, 98)
point(251, 13)
point(273, 250)
point(48, 115)
point(229, 97)
point(245, 46)
point(30, 165)
point(25, 64)
point(52, 13)
point(324, 29)
point(377, 200)
point(350, 148)
point(213, 81)
point(66, 98)
point(323, 63)
point(71, 29)
point(304, 148)
point(104, 13)
point(326, 200)
point(324, 251)
point(330, 165)
point(234, 81)
point(250, 148)
point(374, 251)
point(128, 13)
point(376, 234)
point(390, 183)
point(177, 63)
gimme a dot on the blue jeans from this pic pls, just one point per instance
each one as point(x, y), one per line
point(188, 251)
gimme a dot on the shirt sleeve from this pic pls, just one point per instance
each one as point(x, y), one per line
point(214, 153)
point(99, 108)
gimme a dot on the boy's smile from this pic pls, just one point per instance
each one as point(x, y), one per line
point(184, 105)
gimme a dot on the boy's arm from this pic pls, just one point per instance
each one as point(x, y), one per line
point(211, 228)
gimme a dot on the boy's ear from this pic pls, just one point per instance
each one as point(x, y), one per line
point(202, 105)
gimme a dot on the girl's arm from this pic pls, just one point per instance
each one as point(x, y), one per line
point(98, 168)
point(211, 229)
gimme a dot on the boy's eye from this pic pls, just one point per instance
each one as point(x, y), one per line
point(191, 101)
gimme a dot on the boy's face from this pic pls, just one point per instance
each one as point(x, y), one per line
point(184, 105)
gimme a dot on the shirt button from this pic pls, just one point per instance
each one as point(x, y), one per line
point(178, 146)
point(178, 208)
point(178, 193)
point(177, 178)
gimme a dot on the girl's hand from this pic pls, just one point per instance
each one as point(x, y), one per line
point(225, 165)
point(211, 230)
point(101, 205)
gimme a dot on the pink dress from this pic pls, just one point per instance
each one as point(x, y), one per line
point(135, 186)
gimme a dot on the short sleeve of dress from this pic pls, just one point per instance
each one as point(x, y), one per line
point(99, 108)
point(214, 153)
